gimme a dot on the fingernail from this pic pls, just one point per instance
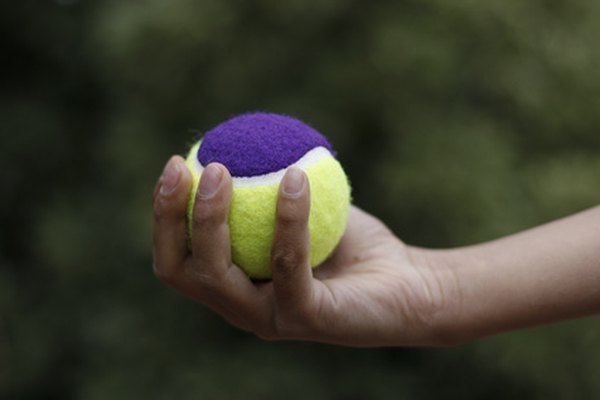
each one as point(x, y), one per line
point(170, 178)
point(210, 181)
point(293, 182)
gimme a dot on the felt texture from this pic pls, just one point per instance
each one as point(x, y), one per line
point(259, 143)
point(252, 216)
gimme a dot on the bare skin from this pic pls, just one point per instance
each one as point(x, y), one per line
point(374, 290)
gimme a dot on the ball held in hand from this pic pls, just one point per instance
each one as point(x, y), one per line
point(257, 149)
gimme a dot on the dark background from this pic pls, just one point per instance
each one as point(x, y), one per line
point(457, 121)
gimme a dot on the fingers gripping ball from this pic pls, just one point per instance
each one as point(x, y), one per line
point(257, 149)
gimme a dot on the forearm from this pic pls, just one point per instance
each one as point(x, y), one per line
point(538, 276)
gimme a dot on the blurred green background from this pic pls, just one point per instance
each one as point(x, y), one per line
point(457, 121)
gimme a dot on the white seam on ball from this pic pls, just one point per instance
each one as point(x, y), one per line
point(310, 158)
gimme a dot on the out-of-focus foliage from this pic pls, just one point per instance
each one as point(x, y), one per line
point(458, 121)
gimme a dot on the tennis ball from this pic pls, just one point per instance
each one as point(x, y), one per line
point(257, 149)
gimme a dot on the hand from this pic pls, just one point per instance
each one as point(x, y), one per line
point(373, 291)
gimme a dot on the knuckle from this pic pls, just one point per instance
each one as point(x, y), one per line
point(201, 219)
point(285, 260)
point(210, 282)
point(160, 208)
point(206, 216)
point(288, 216)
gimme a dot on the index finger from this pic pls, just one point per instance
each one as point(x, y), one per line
point(168, 228)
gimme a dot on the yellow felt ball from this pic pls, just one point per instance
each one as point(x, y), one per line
point(257, 154)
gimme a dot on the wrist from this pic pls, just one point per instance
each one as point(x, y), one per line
point(443, 272)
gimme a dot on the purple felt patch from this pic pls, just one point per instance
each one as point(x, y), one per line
point(259, 143)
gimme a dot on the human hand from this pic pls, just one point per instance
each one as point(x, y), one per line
point(373, 291)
